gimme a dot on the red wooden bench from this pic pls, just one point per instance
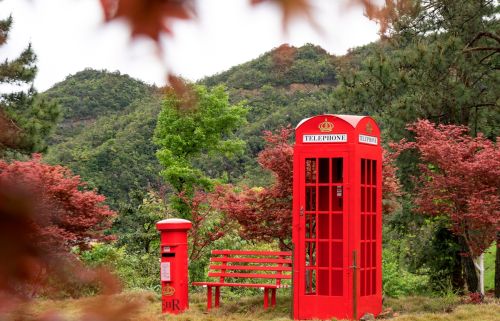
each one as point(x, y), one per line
point(270, 266)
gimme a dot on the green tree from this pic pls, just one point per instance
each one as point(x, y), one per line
point(202, 122)
point(136, 225)
point(26, 118)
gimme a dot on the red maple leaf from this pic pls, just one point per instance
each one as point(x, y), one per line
point(149, 18)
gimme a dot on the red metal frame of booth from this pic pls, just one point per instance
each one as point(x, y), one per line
point(337, 218)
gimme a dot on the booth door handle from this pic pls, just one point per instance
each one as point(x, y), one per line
point(302, 211)
point(353, 266)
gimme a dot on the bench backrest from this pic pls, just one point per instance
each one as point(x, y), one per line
point(251, 265)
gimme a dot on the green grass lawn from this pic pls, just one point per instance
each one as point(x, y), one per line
point(489, 268)
point(145, 306)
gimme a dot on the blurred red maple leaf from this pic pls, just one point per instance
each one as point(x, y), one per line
point(149, 18)
point(152, 18)
point(291, 9)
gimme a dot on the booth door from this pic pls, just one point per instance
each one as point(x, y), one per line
point(323, 236)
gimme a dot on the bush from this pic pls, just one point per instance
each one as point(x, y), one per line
point(396, 280)
point(136, 271)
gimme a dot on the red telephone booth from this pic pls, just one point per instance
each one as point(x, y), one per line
point(337, 221)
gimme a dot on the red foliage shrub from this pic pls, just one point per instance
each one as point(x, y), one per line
point(43, 212)
point(202, 212)
point(265, 214)
point(283, 58)
point(474, 298)
point(460, 179)
point(67, 214)
point(391, 188)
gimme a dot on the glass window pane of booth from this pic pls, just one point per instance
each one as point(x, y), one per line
point(324, 229)
point(368, 227)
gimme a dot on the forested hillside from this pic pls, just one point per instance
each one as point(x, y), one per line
point(108, 119)
point(90, 94)
point(105, 135)
point(282, 66)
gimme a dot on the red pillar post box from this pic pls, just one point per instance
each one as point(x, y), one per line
point(337, 218)
point(174, 264)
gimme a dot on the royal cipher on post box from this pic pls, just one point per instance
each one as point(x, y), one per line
point(337, 221)
point(174, 264)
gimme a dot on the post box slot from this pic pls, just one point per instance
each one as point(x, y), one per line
point(168, 254)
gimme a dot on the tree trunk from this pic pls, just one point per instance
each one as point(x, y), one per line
point(470, 271)
point(479, 264)
point(457, 276)
point(447, 266)
point(470, 274)
point(497, 267)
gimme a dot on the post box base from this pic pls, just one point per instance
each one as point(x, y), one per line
point(172, 306)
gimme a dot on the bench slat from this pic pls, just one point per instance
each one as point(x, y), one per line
point(277, 264)
point(249, 260)
point(250, 267)
point(247, 285)
point(240, 252)
point(249, 275)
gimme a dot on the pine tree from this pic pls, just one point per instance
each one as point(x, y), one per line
point(438, 61)
point(26, 118)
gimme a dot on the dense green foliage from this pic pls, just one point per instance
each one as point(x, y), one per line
point(283, 66)
point(184, 133)
point(115, 154)
point(396, 280)
point(136, 226)
point(137, 271)
point(91, 94)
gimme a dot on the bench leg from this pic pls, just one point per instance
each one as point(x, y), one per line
point(273, 297)
point(217, 296)
point(209, 298)
point(266, 297)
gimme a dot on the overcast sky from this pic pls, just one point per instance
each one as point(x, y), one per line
point(69, 35)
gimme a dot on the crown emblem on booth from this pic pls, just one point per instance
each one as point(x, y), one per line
point(369, 127)
point(326, 126)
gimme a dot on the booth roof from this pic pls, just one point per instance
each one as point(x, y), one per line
point(353, 120)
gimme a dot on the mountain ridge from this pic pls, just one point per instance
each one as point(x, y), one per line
point(96, 139)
